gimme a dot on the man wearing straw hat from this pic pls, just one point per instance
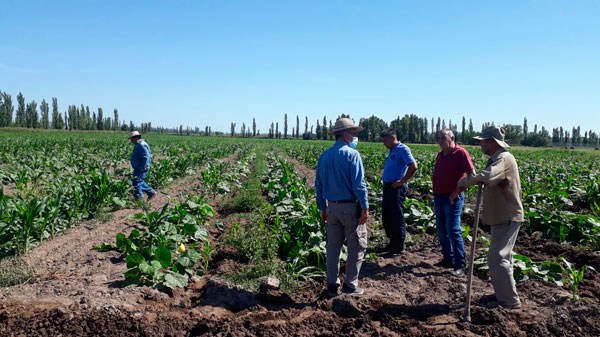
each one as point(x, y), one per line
point(502, 210)
point(342, 198)
point(141, 160)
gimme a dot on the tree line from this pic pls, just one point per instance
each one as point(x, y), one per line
point(414, 129)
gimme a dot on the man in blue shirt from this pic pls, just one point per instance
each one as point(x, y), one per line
point(399, 168)
point(342, 198)
point(141, 161)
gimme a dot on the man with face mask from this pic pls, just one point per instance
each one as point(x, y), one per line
point(399, 168)
point(342, 198)
point(502, 210)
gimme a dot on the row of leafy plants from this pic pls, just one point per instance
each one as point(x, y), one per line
point(58, 179)
point(171, 246)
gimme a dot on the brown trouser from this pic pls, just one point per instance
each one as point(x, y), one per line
point(342, 225)
point(500, 262)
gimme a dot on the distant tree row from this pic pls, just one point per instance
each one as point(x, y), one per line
point(29, 115)
point(413, 129)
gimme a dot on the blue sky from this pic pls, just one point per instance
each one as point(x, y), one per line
point(200, 63)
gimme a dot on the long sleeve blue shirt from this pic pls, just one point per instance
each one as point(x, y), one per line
point(141, 158)
point(340, 176)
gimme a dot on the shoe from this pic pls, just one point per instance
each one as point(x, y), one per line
point(445, 264)
point(332, 290)
point(458, 272)
point(352, 291)
point(151, 195)
point(494, 304)
point(487, 299)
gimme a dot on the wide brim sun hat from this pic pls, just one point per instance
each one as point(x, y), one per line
point(344, 124)
point(493, 132)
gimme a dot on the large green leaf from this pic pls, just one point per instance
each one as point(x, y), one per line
point(163, 255)
point(174, 280)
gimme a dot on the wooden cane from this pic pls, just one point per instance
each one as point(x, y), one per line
point(467, 317)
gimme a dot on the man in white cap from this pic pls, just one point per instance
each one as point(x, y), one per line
point(342, 198)
point(141, 161)
point(502, 210)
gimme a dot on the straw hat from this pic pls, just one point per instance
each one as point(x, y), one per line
point(134, 134)
point(493, 132)
point(344, 124)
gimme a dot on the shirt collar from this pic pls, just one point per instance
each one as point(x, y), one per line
point(497, 153)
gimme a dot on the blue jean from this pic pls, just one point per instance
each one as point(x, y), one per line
point(140, 186)
point(447, 221)
point(392, 215)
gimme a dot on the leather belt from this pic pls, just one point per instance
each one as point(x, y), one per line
point(346, 201)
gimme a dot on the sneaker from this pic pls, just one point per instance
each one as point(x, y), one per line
point(352, 291)
point(458, 272)
point(332, 290)
point(151, 195)
point(445, 264)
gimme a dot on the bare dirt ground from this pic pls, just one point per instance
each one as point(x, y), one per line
point(79, 292)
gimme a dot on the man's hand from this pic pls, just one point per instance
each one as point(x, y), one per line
point(455, 195)
point(363, 216)
point(463, 183)
point(397, 183)
point(324, 216)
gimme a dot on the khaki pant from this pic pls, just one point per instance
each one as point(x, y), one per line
point(500, 262)
point(342, 225)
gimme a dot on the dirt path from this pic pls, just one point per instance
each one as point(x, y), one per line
point(79, 293)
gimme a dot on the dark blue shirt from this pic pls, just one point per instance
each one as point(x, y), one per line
point(396, 163)
point(340, 176)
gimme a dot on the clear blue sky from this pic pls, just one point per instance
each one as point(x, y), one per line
point(201, 63)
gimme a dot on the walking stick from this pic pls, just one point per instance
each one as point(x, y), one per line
point(467, 317)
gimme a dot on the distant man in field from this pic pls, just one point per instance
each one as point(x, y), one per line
point(342, 198)
point(452, 163)
point(502, 210)
point(399, 168)
point(141, 161)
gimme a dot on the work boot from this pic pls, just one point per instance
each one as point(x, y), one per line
point(151, 195)
point(445, 264)
point(332, 290)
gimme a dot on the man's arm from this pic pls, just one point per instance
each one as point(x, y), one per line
point(360, 188)
point(321, 204)
point(460, 189)
point(410, 171)
point(491, 175)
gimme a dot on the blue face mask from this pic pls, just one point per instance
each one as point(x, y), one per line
point(354, 142)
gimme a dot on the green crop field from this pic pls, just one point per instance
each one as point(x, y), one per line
point(243, 209)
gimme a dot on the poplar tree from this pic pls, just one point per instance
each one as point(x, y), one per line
point(31, 115)
point(20, 119)
point(297, 126)
point(7, 108)
point(306, 126)
point(45, 114)
point(116, 124)
point(253, 127)
point(55, 114)
point(318, 130)
point(285, 126)
point(100, 120)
